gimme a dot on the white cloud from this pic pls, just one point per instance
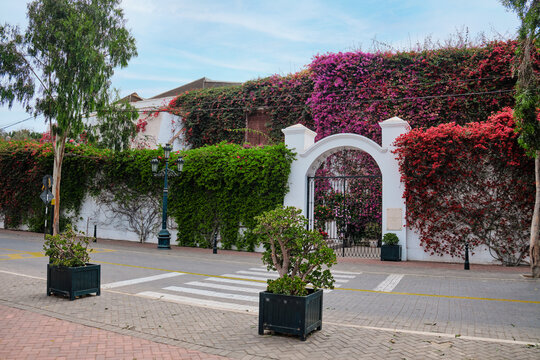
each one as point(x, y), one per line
point(130, 75)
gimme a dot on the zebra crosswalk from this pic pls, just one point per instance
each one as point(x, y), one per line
point(238, 291)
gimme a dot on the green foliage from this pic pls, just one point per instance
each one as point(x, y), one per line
point(67, 249)
point(214, 115)
point(527, 85)
point(23, 165)
point(115, 126)
point(373, 231)
point(297, 254)
point(18, 135)
point(70, 48)
point(390, 239)
point(225, 186)
point(287, 286)
point(221, 188)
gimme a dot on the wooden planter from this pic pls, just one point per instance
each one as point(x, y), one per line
point(391, 252)
point(73, 281)
point(296, 315)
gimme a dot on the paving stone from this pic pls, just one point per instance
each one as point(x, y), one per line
point(119, 325)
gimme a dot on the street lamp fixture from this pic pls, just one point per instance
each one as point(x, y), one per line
point(164, 236)
point(155, 163)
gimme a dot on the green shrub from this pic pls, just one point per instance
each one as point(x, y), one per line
point(390, 239)
point(372, 231)
point(297, 254)
point(67, 249)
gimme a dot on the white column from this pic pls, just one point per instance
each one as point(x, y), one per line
point(393, 203)
point(298, 138)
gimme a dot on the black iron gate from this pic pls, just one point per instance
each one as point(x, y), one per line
point(347, 211)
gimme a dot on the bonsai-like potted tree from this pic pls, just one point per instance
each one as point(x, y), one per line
point(390, 250)
point(69, 271)
point(292, 303)
point(372, 233)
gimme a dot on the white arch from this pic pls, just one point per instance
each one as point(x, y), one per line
point(311, 154)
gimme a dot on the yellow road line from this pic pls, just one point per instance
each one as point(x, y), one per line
point(441, 296)
point(20, 254)
point(15, 250)
point(339, 289)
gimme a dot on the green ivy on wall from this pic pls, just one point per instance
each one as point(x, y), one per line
point(212, 115)
point(224, 186)
point(221, 188)
point(23, 165)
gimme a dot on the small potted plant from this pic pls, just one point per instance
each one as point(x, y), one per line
point(292, 303)
point(372, 233)
point(390, 250)
point(69, 271)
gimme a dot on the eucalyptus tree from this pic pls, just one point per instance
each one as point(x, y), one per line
point(527, 104)
point(62, 64)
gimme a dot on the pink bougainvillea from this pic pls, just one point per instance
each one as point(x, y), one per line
point(354, 91)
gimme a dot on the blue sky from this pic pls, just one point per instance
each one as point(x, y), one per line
point(179, 41)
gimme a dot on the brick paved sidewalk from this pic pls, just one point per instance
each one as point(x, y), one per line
point(119, 325)
point(48, 324)
point(26, 335)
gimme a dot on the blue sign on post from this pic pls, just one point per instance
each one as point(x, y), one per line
point(46, 196)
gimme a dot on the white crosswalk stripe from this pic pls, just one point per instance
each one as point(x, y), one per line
point(239, 282)
point(389, 283)
point(208, 293)
point(335, 274)
point(139, 280)
point(241, 276)
point(228, 290)
point(223, 287)
point(268, 275)
point(198, 302)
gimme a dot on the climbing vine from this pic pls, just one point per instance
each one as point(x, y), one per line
point(221, 188)
point(225, 186)
point(354, 91)
point(23, 165)
point(468, 184)
point(212, 115)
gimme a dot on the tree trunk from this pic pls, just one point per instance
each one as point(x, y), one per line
point(535, 226)
point(59, 147)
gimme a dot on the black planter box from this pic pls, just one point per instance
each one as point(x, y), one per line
point(391, 252)
point(296, 315)
point(73, 281)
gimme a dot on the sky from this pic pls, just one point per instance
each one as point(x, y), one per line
point(179, 41)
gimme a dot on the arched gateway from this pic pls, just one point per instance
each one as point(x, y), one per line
point(310, 155)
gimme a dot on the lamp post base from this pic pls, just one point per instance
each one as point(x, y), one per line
point(164, 239)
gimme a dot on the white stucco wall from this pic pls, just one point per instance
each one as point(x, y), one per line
point(311, 154)
point(159, 129)
point(417, 253)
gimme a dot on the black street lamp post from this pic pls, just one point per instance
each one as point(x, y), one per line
point(466, 265)
point(164, 236)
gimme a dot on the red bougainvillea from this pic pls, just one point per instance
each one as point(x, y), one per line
point(469, 183)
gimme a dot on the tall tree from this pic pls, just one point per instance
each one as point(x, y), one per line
point(527, 104)
point(62, 65)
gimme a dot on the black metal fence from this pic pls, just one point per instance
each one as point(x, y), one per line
point(347, 210)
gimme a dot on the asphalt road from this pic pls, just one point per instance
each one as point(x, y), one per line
point(485, 302)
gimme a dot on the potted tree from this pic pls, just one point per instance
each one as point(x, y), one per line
point(69, 271)
point(372, 233)
point(293, 303)
point(390, 250)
